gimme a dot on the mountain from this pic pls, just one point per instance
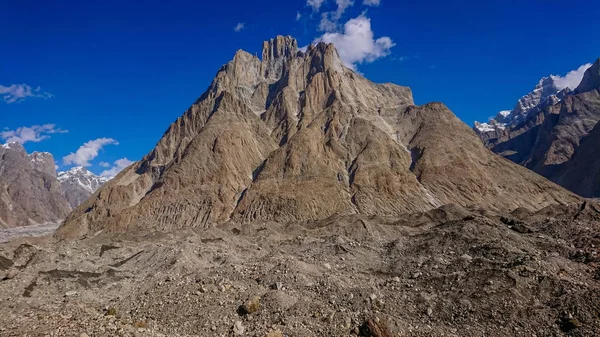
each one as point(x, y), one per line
point(545, 93)
point(43, 162)
point(558, 138)
point(298, 136)
point(29, 191)
point(78, 184)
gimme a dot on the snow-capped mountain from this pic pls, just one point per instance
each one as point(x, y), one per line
point(547, 92)
point(78, 184)
point(555, 133)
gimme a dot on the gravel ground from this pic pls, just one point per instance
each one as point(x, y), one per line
point(447, 272)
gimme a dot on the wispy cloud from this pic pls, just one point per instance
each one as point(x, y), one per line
point(298, 16)
point(356, 43)
point(87, 152)
point(118, 166)
point(572, 79)
point(104, 164)
point(239, 27)
point(315, 4)
point(34, 133)
point(18, 92)
point(372, 2)
point(329, 20)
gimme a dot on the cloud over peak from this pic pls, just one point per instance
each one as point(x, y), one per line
point(572, 79)
point(16, 93)
point(357, 44)
point(34, 133)
point(87, 152)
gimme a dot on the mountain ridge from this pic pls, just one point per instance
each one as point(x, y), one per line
point(299, 136)
point(552, 139)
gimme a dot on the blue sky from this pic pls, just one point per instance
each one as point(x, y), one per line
point(113, 72)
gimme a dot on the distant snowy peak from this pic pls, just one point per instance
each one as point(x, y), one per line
point(545, 89)
point(547, 92)
point(81, 177)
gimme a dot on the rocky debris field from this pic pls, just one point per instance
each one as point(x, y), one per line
point(27, 231)
point(446, 272)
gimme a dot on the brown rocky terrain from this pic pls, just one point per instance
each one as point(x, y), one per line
point(30, 194)
point(558, 141)
point(296, 198)
point(298, 136)
point(446, 272)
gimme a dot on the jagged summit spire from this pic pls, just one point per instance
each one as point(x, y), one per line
point(280, 46)
point(297, 136)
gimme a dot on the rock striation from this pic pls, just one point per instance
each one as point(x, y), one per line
point(298, 136)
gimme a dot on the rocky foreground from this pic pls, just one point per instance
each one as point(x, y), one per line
point(446, 272)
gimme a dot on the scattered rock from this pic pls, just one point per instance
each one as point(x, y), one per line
point(374, 328)
point(277, 286)
point(111, 311)
point(276, 333)
point(70, 293)
point(569, 323)
point(250, 307)
point(10, 274)
point(238, 328)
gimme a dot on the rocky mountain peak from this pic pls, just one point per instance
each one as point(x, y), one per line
point(44, 162)
point(13, 147)
point(297, 136)
point(29, 191)
point(545, 93)
point(591, 78)
point(78, 184)
point(280, 47)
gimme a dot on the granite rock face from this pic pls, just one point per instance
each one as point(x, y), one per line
point(30, 194)
point(43, 162)
point(298, 136)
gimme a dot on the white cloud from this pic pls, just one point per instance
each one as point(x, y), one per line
point(119, 165)
point(315, 4)
point(239, 27)
point(34, 133)
point(298, 16)
point(329, 20)
point(88, 151)
point(571, 79)
point(18, 92)
point(104, 164)
point(356, 44)
point(371, 2)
